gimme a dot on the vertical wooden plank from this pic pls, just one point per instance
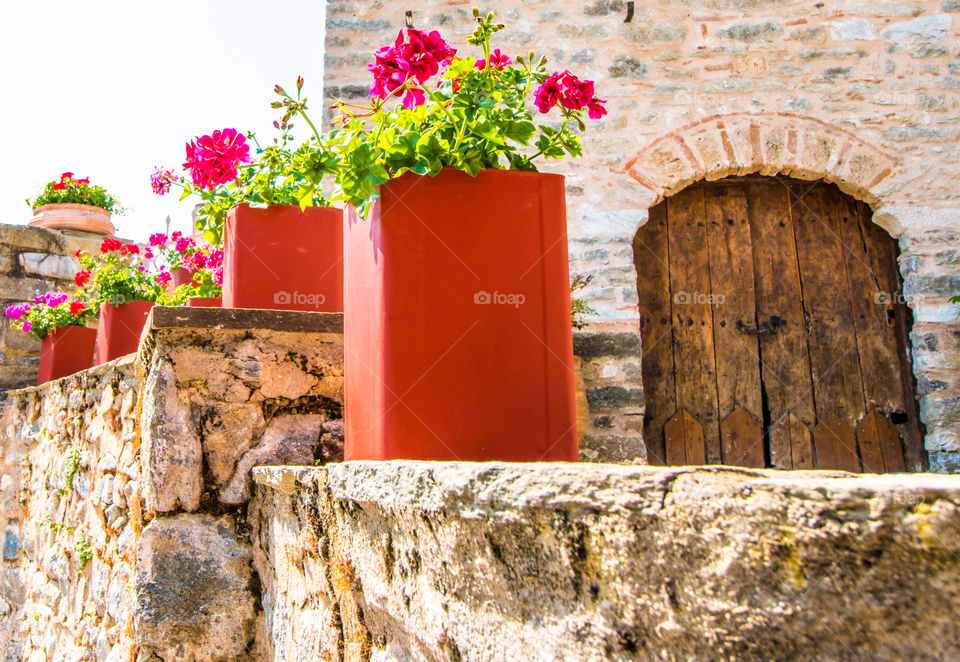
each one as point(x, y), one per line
point(684, 439)
point(836, 444)
point(733, 300)
point(883, 252)
point(868, 439)
point(694, 359)
point(883, 440)
point(831, 333)
point(742, 436)
point(785, 366)
point(801, 443)
point(651, 258)
point(791, 446)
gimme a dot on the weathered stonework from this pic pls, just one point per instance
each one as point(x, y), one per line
point(440, 561)
point(70, 513)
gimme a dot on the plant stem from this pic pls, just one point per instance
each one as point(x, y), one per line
point(566, 118)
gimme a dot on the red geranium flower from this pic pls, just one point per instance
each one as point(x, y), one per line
point(497, 60)
point(110, 244)
point(81, 278)
point(129, 249)
point(418, 59)
point(76, 307)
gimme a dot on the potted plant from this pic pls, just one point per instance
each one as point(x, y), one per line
point(282, 241)
point(457, 306)
point(59, 320)
point(119, 284)
point(193, 273)
point(71, 204)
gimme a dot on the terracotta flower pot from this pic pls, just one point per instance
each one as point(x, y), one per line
point(180, 276)
point(118, 332)
point(66, 351)
point(72, 217)
point(457, 336)
point(205, 302)
point(283, 258)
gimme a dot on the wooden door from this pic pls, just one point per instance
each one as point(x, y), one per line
point(774, 333)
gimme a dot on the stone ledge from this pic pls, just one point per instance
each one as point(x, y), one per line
point(433, 485)
point(232, 319)
point(595, 562)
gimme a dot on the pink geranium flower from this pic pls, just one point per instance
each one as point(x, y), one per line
point(158, 239)
point(161, 180)
point(163, 277)
point(548, 94)
point(417, 60)
point(497, 61)
point(212, 160)
point(571, 93)
point(16, 311)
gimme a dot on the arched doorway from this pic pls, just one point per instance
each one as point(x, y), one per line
point(773, 330)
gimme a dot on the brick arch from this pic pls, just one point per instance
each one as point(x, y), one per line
point(768, 144)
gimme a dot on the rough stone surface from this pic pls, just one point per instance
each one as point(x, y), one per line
point(439, 561)
point(54, 512)
point(191, 598)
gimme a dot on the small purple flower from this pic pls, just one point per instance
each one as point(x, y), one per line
point(54, 299)
point(16, 311)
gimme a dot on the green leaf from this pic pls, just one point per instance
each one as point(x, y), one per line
point(520, 132)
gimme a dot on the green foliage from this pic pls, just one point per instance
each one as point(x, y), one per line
point(71, 465)
point(117, 278)
point(75, 191)
point(83, 551)
point(281, 174)
point(475, 119)
point(579, 307)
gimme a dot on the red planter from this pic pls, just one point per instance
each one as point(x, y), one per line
point(204, 302)
point(283, 258)
point(457, 334)
point(66, 351)
point(119, 329)
point(180, 276)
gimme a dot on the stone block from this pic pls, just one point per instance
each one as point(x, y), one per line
point(922, 28)
point(45, 265)
point(191, 590)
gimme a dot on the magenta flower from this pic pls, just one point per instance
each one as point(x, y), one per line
point(497, 61)
point(548, 94)
point(17, 310)
point(158, 239)
point(54, 299)
point(215, 259)
point(163, 277)
point(183, 244)
point(27, 326)
point(213, 159)
point(571, 93)
point(161, 179)
point(415, 60)
point(218, 275)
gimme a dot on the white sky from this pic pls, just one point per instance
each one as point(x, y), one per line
point(108, 89)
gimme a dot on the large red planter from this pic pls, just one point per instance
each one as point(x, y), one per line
point(457, 334)
point(119, 329)
point(65, 351)
point(283, 258)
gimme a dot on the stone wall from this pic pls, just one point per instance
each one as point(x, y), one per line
point(123, 489)
point(70, 515)
point(32, 261)
point(860, 93)
point(403, 561)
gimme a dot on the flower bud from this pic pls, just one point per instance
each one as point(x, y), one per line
point(299, 83)
point(276, 124)
point(278, 89)
point(275, 104)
